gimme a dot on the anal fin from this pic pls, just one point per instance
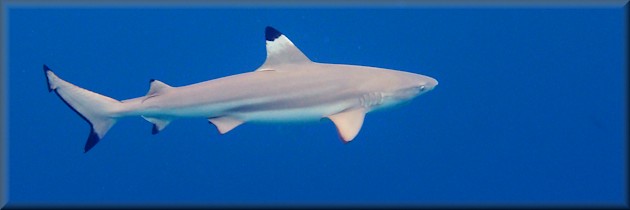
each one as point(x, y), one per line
point(158, 124)
point(225, 124)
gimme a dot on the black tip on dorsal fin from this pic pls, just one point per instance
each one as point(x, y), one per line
point(46, 69)
point(271, 33)
point(151, 80)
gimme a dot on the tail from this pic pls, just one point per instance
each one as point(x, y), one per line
point(98, 110)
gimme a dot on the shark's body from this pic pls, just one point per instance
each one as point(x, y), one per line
point(287, 87)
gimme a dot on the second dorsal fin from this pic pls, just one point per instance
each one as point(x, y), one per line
point(280, 50)
point(156, 87)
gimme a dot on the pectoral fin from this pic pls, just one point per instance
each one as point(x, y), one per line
point(225, 124)
point(348, 123)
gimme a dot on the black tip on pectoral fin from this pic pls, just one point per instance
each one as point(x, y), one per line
point(46, 69)
point(93, 139)
point(271, 33)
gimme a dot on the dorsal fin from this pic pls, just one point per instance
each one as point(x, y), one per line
point(157, 87)
point(280, 50)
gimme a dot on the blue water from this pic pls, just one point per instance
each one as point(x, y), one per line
point(530, 108)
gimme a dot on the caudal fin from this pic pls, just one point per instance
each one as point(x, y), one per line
point(96, 109)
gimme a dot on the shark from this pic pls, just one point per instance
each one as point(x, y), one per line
point(287, 87)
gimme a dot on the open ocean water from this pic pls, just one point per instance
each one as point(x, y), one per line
point(530, 108)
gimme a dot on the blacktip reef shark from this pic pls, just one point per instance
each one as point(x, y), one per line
point(287, 87)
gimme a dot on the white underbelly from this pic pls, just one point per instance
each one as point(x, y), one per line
point(295, 114)
point(311, 113)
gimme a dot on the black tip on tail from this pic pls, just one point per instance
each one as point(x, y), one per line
point(46, 69)
point(155, 130)
point(271, 33)
point(92, 141)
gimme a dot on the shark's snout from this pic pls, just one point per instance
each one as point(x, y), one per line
point(425, 83)
point(431, 83)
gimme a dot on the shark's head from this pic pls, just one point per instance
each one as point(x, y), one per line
point(391, 87)
point(409, 85)
point(377, 87)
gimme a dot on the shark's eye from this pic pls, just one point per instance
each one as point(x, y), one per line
point(422, 88)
